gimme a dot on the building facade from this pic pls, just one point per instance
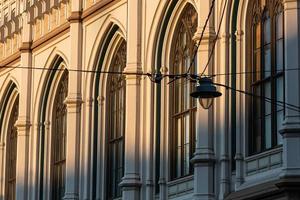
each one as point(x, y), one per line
point(82, 117)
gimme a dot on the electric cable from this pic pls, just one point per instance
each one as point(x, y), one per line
point(215, 40)
point(201, 36)
point(267, 99)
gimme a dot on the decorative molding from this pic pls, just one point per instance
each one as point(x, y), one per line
point(97, 8)
point(51, 36)
point(11, 59)
point(75, 17)
point(22, 127)
point(73, 102)
point(25, 47)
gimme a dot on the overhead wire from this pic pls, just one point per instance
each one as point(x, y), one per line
point(215, 40)
point(156, 78)
point(267, 99)
point(201, 36)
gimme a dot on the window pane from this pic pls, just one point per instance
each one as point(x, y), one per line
point(279, 55)
point(279, 126)
point(187, 95)
point(279, 92)
point(267, 100)
point(267, 31)
point(178, 96)
point(257, 36)
point(257, 135)
point(267, 61)
point(257, 103)
point(279, 25)
point(257, 68)
point(268, 132)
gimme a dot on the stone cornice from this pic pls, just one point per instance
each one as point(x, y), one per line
point(97, 8)
point(11, 59)
point(49, 37)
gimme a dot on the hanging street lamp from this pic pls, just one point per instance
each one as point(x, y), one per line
point(205, 92)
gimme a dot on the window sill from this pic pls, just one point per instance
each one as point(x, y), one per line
point(264, 161)
point(181, 186)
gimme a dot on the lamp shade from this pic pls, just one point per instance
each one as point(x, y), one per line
point(205, 91)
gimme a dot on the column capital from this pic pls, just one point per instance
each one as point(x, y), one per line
point(25, 47)
point(130, 181)
point(208, 35)
point(100, 100)
point(75, 17)
point(22, 126)
point(203, 158)
point(73, 102)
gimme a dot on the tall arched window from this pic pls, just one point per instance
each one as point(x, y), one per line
point(267, 80)
point(11, 153)
point(59, 132)
point(182, 106)
point(116, 93)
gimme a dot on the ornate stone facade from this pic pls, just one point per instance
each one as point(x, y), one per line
point(71, 130)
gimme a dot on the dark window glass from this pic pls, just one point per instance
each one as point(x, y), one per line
point(183, 108)
point(267, 82)
point(59, 126)
point(11, 154)
point(116, 93)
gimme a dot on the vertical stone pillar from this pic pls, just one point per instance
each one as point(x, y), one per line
point(240, 115)
point(131, 181)
point(222, 116)
point(204, 156)
point(23, 122)
point(2, 181)
point(73, 102)
point(163, 171)
point(291, 124)
point(101, 164)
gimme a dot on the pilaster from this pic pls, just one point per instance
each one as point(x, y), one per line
point(240, 101)
point(222, 116)
point(131, 181)
point(204, 156)
point(74, 103)
point(23, 122)
point(163, 169)
point(291, 125)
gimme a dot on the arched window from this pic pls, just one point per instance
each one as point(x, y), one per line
point(59, 132)
point(11, 153)
point(267, 79)
point(182, 106)
point(116, 91)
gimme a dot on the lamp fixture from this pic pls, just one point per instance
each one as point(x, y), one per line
point(205, 92)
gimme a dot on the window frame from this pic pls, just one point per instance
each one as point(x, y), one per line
point(11, 129)
point(59, 132)
point(258, 17)
point(182, 112)
point(114, 191)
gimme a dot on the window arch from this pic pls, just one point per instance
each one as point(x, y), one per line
point(59, 129)
point(116, 94)
point(182, 106)
point(11, 153)
point(267, 79)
